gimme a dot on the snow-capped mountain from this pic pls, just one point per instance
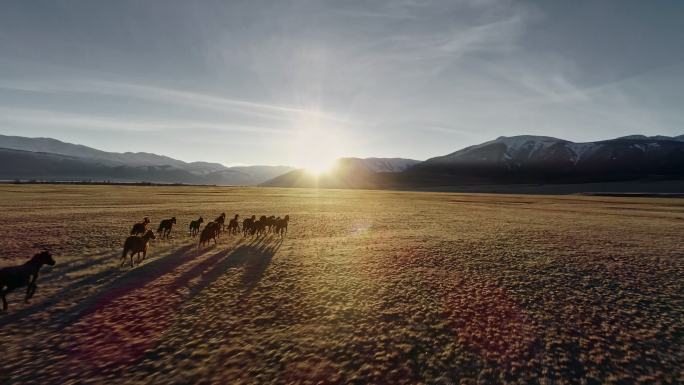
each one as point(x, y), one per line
point(534, 158)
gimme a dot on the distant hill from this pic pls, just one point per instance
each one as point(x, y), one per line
point(347, 173)
point(381, 164)
point(27, 165)
point(51, 159)
point(246, 175)
point(54, 146)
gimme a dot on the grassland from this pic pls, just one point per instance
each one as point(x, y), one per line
point(367, 286)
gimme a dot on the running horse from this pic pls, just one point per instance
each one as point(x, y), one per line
point(14, 277)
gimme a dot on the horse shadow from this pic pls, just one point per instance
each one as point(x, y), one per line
point(130, 281)
point(68, 291)
point(264, 250)
point(113, 284)
point(255, 256)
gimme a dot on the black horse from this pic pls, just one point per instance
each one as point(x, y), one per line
point(195, 226)
point(165, 227)
point(24, 275)
point(247, 225)
point(221, 220)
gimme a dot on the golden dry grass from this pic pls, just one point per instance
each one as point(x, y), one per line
point(368, 286)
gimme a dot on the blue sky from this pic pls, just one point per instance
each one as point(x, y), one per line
point(295, 82)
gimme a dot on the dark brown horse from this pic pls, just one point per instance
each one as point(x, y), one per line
point(234, 225)
point(247, 225)
point(136, 245)
point(270, 223)
point(140, 227)
point(281, 226)
point(165, 227)
point(221, 220)
point(195, 226)
point(24, 275)
point(210, 231)
point(259, 227)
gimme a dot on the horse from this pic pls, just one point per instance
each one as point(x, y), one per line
point(281, 226)
point(259, 227)
point(136, 245)
point(165, 227)
point(210, 231)
point(140, 227)
point(23, 275)
point(234, 225)
point(270, 223)
point(195, 225)
point(247, 225)
point(221, 220)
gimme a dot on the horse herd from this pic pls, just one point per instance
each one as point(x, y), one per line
point(14, 277)
point(140, 235)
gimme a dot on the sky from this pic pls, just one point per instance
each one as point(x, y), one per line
point(296, 82)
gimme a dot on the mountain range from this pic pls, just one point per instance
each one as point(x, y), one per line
point(53, 160)
point(515, 160)
point(48, 159)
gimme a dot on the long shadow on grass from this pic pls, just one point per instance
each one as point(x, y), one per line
point(131, 320)
point(131, 280)
point(61, 270)
point(142, 274)
point(256, 256)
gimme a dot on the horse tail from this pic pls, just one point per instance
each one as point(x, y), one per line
point(125, 251)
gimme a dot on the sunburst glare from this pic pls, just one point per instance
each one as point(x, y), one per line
point(317, 148)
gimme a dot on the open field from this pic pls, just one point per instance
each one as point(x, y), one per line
point(367, 286)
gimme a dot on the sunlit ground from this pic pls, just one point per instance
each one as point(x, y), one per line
point(366, 287)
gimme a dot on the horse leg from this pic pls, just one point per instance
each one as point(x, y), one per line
point(124, 255)
point(4, 300)
point(30, 290)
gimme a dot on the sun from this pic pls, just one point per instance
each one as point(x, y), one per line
point(316, 149)
point(319, 167)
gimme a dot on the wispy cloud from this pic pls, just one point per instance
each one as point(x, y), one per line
point(52, 118)
point(172, 96)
